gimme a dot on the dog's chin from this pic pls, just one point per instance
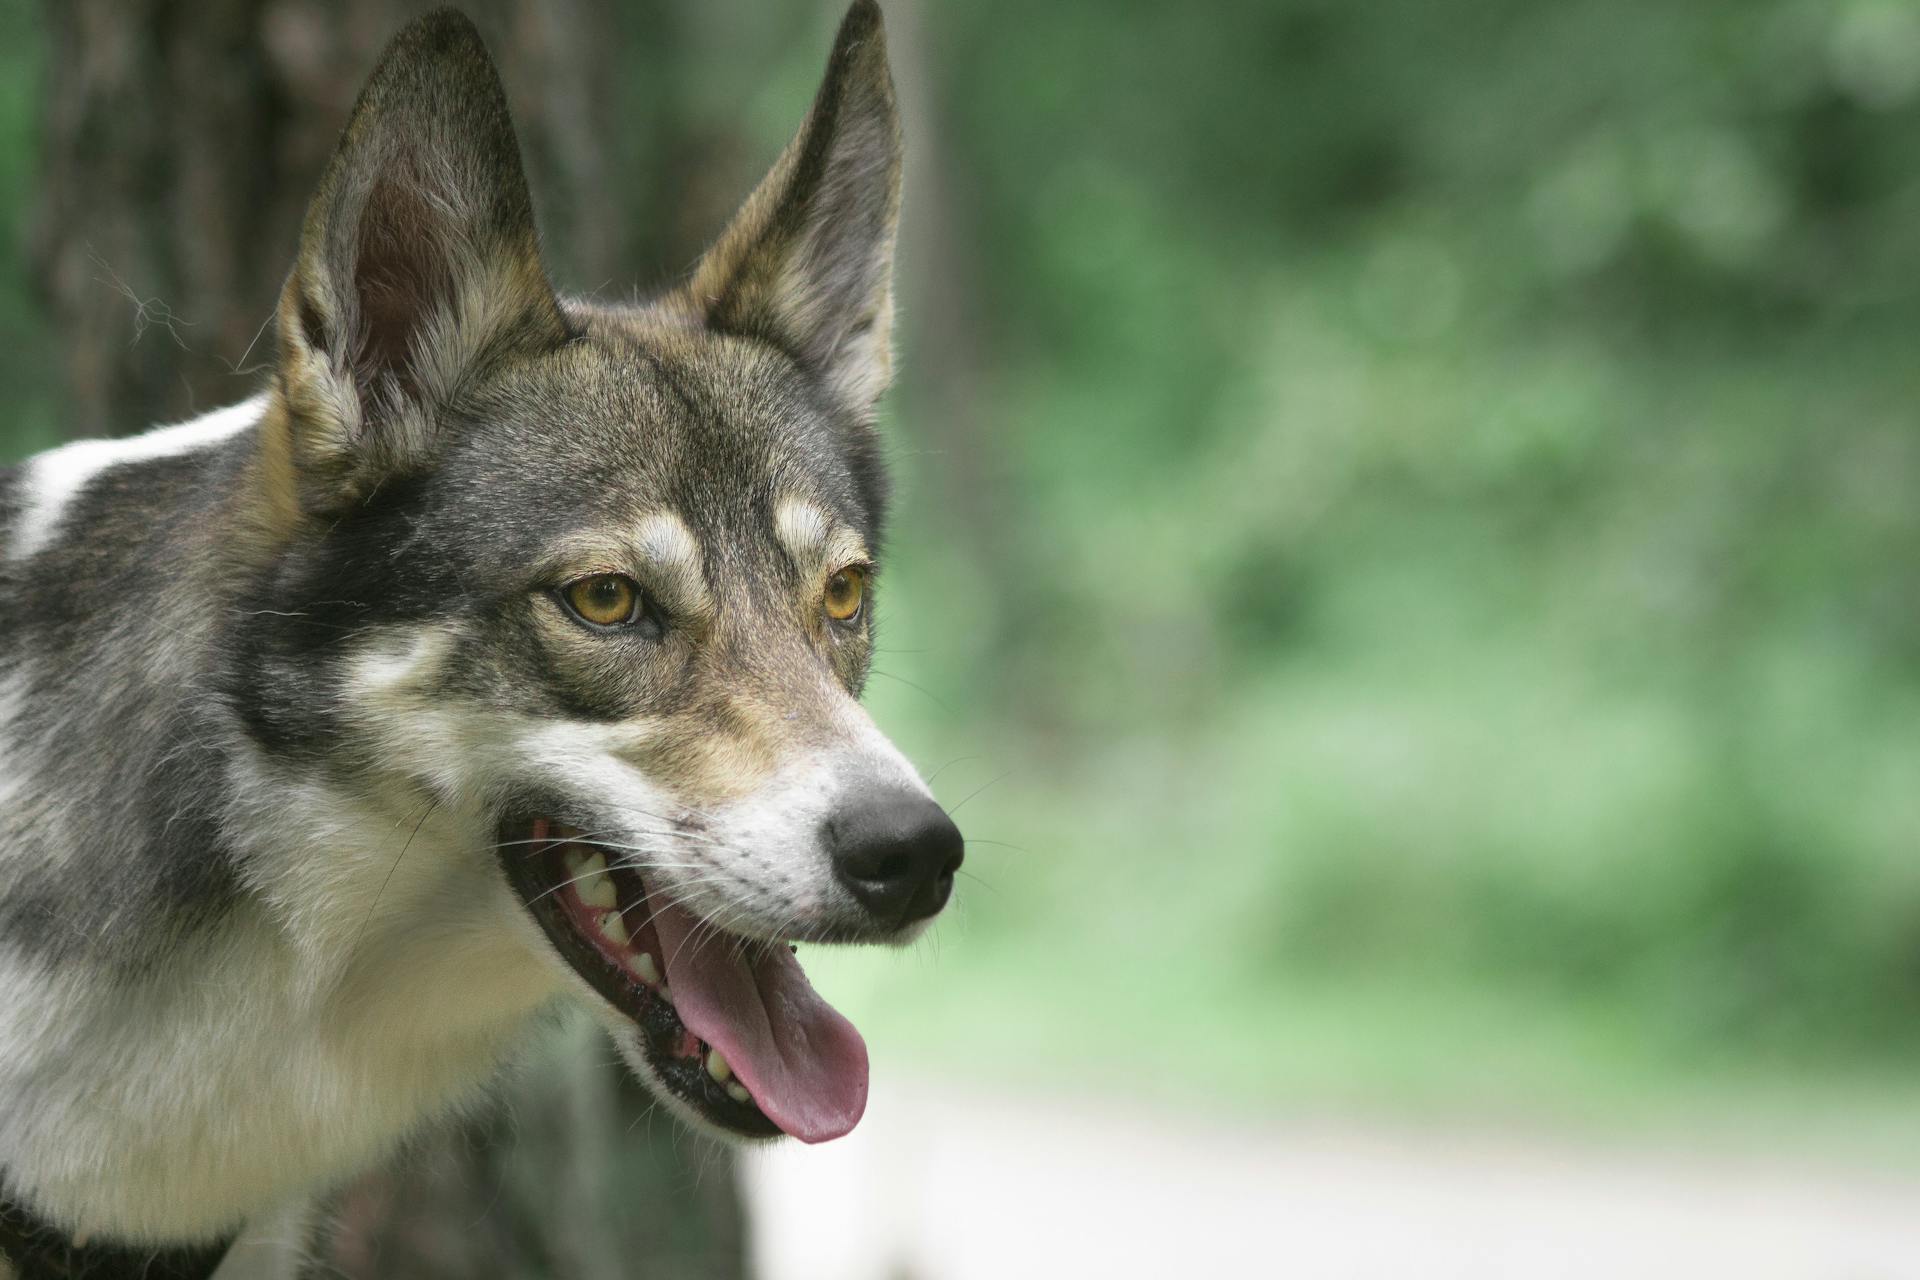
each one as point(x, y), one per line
point(753, 1054)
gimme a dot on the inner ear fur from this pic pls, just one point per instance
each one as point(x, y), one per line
point(807, 262)
point(418, 267)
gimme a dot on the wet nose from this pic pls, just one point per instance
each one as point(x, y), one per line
point(896, 852)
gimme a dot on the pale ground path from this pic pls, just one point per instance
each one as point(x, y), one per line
point(939, 1186)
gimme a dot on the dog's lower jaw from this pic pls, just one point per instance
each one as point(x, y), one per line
point(631, 1045)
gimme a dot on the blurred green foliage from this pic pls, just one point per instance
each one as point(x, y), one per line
point(1423, 547)
point(1456, 479)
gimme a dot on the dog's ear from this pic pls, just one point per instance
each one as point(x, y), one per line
point(807, 263)
point(418, 267)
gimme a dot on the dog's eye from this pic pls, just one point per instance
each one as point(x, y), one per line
point(846, 592)
point(605, 599)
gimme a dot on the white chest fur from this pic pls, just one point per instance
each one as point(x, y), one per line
point(366, 985)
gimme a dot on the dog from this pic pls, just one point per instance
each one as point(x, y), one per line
point(503, 654)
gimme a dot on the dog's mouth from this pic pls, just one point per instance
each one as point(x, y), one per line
point(730, 1026)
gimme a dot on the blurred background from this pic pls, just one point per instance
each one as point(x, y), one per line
point(1408, 573)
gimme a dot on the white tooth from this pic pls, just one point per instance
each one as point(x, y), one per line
point(614, 927)
point(587, 873)
point(666, 994)
point(738, 1092)
point(717, 1066)
point(642, 964)
point(597, 891)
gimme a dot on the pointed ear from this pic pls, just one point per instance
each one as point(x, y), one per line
point(418, 266)
point(807, 263)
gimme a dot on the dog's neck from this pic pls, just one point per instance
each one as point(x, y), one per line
point(267, 1058)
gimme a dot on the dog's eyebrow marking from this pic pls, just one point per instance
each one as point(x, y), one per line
point(659, 547)
point(672, 557)
point(814, 539)
point(54, 479)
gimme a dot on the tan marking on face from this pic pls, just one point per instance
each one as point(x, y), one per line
point(760, 712)
point(817, 543)
point(705, 767)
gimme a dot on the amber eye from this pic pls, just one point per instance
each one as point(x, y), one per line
point(846, 592)
point(605, 600)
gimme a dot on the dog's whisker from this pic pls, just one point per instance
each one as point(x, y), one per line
point(998, 844)
point(981, 881)
point(589, 875)
point(698, 936)
point(948, 765)
point(375, 904)
point(977, 790)
point(549, 841)
point(929, 694)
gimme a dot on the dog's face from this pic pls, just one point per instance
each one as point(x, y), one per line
point(602, 579)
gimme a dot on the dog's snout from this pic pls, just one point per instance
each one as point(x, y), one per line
point(896, 852)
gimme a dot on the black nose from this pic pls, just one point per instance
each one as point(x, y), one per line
point(896, 851)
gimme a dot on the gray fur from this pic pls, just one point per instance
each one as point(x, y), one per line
point(268, 687)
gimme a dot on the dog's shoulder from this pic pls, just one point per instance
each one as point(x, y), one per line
point(99, 494)
point(108, 567)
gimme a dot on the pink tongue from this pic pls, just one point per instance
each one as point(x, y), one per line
point(805, 1065)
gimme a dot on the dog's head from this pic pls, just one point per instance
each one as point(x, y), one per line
point(601, 580)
